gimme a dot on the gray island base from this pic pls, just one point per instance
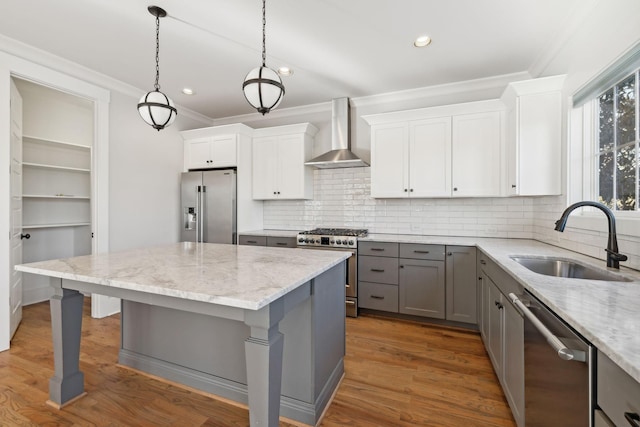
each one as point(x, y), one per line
point(263, 326)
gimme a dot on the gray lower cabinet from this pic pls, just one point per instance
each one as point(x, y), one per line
point(421, 288)
point(502, 330)
point(252, 240)
point(461, 284)
point(617, 394)
point(279, 242)
point(434, 281)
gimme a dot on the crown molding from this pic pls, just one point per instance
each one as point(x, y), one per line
point(494, 82)
point(46, 59)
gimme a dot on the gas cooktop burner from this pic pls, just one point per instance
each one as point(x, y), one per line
point(332, 237)
point(349, 232)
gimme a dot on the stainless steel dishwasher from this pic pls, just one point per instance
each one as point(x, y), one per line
point(557, 364)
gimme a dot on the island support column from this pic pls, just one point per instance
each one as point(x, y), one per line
point(263, 354)
point(67, 383)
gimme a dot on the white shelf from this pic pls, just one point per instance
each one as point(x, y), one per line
point(75, 224)
point(49, 196)
point(64, 168)
point(56, 142)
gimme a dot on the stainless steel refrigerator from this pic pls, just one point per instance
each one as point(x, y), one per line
point(209, 206)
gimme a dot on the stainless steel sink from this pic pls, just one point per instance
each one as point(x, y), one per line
point(560, 267)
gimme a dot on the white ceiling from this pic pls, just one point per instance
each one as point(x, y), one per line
point(336, 48)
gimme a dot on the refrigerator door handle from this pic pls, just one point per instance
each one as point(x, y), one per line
point(203, 200)
point(199, 214)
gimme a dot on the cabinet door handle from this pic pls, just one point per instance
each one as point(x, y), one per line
point(349, 302)
point(402, 266)
point(455, 188)
point(377, 249)
point(376, 297)
point(411, 190)
point(449, 253)
point(513, 186)
point(252, 241)
point(281, 244)
point(405, 190)
point(25, 236)
point(483, 262)
point(347, 286)
point(378, 270)
point(421, 252)
point(499, 305)
point(480, 278)
point(633, 418)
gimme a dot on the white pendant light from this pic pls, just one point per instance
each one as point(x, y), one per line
point(156, 108)
point(262, 87)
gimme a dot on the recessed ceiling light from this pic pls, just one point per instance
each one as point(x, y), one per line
point(285, 71)
point(188, 91)
point(422, 41)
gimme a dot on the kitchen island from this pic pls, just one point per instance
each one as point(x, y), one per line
point(252, 321)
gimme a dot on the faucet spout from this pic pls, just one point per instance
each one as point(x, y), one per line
point(613, 256)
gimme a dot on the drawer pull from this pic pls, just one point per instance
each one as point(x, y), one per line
point(499, 305)
point(348, 302)
point(281, 244)
point(633, 418)
point(420, 252)
point(378, 270)
point(377, 249)
point(347, 286)
point(252, 241)
point(376, 297)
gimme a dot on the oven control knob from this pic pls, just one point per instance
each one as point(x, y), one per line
point(350, 242)
point(344, 242)
point(317, 241)
point(301, 240)
point(338, 242)
point(306, 240)
point(333, 242)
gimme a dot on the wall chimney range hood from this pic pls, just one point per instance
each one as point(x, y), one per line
point(340, 155)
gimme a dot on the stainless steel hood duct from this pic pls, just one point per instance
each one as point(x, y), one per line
point(340, 155)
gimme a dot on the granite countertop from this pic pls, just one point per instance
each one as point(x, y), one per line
point(270, 233)
point(246, 277)
point(605, 313)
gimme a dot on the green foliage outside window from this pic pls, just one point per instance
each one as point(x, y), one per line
point(618, 146)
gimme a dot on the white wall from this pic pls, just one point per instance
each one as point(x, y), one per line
point(144, 177)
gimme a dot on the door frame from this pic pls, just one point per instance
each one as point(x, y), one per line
point(13, 66)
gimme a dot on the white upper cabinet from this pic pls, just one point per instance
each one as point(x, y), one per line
point(448, 151)
point(279, 154)
point(212, 152)
point(477, 154)
point(534, 136)
point(408, 159)
point(213, 147)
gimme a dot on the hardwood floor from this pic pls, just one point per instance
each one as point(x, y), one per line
point(397, 374)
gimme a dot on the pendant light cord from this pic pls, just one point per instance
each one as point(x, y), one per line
point(157, 84)
point(264, 37)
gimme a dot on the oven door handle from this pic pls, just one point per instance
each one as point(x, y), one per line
point(563, 351)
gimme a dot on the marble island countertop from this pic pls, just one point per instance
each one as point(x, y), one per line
point(236, 276)
point(606, 313)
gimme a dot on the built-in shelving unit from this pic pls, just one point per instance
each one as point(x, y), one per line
point(56, 183)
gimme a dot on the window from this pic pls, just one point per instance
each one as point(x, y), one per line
point(617, 150)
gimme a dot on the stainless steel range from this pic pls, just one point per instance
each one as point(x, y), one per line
point(338, 239)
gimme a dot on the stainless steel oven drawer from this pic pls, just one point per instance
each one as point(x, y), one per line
point(378, 269)
point(419, 251)
point(378, 296)
point(385, 249)
point(618, 393)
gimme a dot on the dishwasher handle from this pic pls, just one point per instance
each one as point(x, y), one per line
point(563, 351)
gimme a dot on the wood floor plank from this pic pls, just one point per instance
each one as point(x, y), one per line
point(397, 373)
